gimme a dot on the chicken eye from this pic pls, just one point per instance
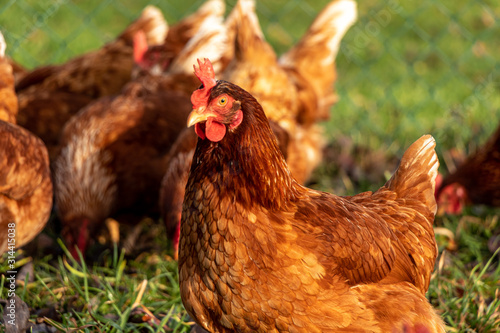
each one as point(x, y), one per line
point(222, 101)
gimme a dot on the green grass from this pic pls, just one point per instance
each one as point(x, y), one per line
point(406, 68)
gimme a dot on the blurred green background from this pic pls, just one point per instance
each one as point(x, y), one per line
point(406, 68)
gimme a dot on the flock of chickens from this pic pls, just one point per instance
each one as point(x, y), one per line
point(105, 135)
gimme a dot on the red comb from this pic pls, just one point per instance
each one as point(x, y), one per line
point(205, 73)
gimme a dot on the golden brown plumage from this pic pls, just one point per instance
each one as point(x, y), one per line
point(50, 95)
point(260, 252)
point(25, 185)
point(475, 181)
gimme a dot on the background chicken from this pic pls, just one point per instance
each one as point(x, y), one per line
point(289, 97)
point(50, 95)
point(25, 185)
point(296, 90)
point(114, 151)
point(260, 252)
point(157, 58)
point(475, 181)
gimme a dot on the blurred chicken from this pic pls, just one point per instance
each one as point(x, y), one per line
point(25, 185)
point(296, 90)
point(50, 95)
point(475, 181)
point(280, 89)
point(208, 16)
point(259, 252)
point(114, 151)
point(182, 33)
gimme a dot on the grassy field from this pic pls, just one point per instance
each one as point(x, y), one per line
point(405, 69)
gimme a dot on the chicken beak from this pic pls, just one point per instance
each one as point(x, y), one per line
point(197, 116)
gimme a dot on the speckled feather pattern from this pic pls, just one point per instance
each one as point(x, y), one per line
point(259, 252)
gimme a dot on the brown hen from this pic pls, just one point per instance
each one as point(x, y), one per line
point(261, 253)
point(25, 185)
point(50, 95)
point(475, 181)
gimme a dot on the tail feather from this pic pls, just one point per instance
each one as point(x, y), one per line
point(416, 175)
point(320, 44)
point(231, 23)
point(180, 33)
point(152, 23)
point(210, 42)
point(312, 58)
point(192, 23)
point(250, 43)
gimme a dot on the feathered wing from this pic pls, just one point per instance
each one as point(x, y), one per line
point(392, 239)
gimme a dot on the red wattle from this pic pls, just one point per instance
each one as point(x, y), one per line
point(199, 131)
point(214, 130)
